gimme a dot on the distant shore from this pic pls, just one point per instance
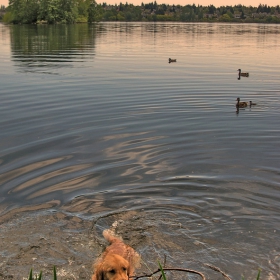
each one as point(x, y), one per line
point(82, 11)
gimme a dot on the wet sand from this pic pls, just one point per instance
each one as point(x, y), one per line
point(40, 241)
point(44, 239)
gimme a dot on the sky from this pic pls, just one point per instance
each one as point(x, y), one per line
point(216, 3)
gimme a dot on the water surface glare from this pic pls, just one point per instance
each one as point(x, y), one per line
point(95, 122)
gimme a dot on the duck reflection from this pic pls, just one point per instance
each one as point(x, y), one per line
point(237, 111)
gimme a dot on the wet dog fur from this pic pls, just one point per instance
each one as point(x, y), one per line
point(117, 262)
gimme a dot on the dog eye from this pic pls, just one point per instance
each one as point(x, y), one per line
point(112, 271)
point(124, 269)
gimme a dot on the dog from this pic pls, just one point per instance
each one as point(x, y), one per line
point(117, 262)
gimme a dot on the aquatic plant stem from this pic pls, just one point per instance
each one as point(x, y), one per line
point(171, 269)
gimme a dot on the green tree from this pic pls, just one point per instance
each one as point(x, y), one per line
point(225, 18)
point(128, 16)
point(229, 13)
point(200, 15)
point(92, 11)
point(17, 10)
point(160, 11)
point(82, 9)
point(120, 16)
point(50, 11)
point(211, 9)
point(31, 11)
point(110, 15)
point(68, 10)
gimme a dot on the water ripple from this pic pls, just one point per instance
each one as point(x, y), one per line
point(98, 122)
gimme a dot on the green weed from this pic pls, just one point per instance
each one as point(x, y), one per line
point(39, 277)
point(35, 277)
point(258, 276)
point(162, 271)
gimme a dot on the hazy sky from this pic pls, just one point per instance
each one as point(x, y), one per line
point(216, 3)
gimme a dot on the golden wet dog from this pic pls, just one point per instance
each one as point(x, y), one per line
point(118, 261)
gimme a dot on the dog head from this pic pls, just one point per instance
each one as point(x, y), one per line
point(112, 267)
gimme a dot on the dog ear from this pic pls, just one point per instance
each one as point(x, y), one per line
point(129, 271)
point(98, 273)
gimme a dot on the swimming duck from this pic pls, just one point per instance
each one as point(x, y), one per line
point(172, 60)
point(251, 103)
point(241, 104)
point(245, 74)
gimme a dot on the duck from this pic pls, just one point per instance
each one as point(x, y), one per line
point(241, 104)
point(252, 104)
point(244, 74)
point(172, 60)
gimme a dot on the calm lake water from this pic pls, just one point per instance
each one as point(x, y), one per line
point(95, 122)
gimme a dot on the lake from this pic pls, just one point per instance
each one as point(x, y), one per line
point(97, 127)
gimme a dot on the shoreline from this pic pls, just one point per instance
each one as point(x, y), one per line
point(41, 240)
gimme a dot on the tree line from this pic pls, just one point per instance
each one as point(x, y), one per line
point(74, 11)
point(52, 11)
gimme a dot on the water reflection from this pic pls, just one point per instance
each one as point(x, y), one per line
point(44, 48)
point(143, 154)
point(132, 131)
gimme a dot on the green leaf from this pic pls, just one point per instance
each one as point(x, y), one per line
point(259, 274)
point(162, 271)
point(40, 276)
point(54, 273)
point(30, 275)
